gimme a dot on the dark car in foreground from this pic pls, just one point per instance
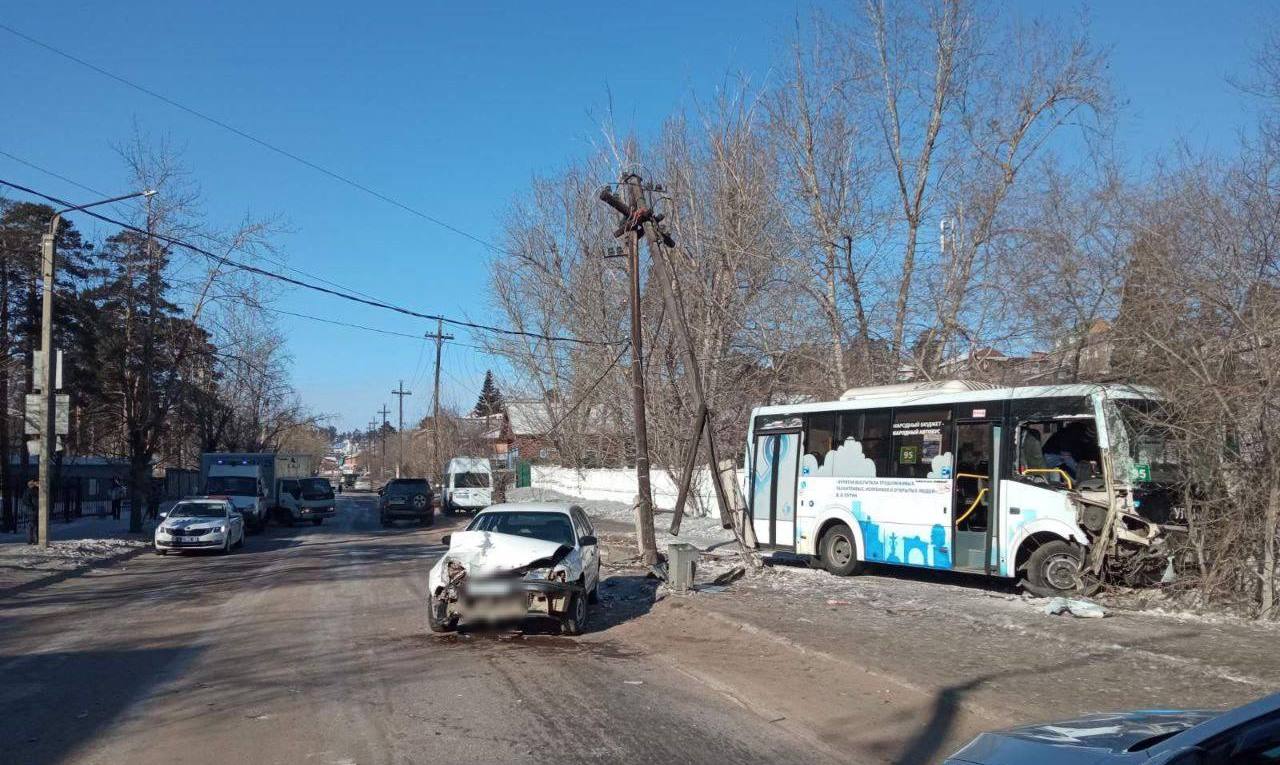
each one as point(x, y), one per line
point(1247, 735)
point(406, 499)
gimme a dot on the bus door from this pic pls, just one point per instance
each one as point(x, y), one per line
point(974, 487)
point(776, 463)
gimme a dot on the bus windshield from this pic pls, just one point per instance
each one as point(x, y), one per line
point(1147, 442)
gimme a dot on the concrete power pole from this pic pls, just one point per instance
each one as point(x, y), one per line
point(401, 392)
point(382, 431)
point(48, 437)
point(440, 337)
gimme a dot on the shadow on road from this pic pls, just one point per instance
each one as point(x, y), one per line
point(927, 744)
point(55, 703)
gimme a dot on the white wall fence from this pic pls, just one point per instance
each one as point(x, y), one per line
point(619, 485)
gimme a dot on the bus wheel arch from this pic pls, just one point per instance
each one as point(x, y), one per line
point(1051, 565)
point(838, 547)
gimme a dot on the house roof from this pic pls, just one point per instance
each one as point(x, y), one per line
point(529, 418)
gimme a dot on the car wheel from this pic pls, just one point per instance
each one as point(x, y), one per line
point(317, 521)
point(226, 545)
point(240, 541)
point(1055, 569)
point(161, 552)
point(437, 621)
point(839, 551)
point(574, 622)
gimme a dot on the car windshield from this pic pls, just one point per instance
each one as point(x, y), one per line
point(198, 510)
point(242, 486)
point(315, 485)
point(471, 480)
point(549, 527)
point(402, 486)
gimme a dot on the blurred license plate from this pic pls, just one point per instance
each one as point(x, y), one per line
point(489, 588)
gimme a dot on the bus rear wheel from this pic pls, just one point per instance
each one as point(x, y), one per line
point(839, 552)
point(1055, 569)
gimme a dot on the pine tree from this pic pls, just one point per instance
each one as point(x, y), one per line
point(490, 401)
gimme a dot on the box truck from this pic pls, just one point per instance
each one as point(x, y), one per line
point(265, 486)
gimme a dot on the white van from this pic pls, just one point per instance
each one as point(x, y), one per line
point(467, 485)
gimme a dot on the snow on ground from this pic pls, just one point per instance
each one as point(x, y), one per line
point(66, 554)
point(81, 542)
point(704, 533)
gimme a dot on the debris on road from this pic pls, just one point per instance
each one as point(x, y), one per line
point(838, 602)
point(1078, 607)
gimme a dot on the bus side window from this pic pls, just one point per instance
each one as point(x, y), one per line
point(918, 438)
point(820, 435)
point(875, 440)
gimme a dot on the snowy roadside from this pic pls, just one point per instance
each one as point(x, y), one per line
point(82, 543)
point(704, 533)
point(934, 631)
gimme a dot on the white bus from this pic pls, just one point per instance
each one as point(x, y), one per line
point(1051, 485)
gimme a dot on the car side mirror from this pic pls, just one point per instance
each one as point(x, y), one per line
point(587, 541)
point(444, 540)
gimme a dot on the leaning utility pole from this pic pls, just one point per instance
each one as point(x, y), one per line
point(382, 431)
point(440, 337)
point(640, 218)
point(644, 505)
point(401, 392)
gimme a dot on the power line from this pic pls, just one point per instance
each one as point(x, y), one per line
point(307, 285)
point(210, 237)
point(335, 322)
point(250, 137)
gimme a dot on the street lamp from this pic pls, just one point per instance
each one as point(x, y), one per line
point(49, 251)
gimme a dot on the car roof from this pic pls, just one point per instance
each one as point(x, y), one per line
point(531, 507)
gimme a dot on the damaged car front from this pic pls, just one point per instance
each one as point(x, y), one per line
point(491, 576)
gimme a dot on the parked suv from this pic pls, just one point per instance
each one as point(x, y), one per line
point(408, 498)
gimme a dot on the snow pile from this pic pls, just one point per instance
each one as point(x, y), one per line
point(68, 554)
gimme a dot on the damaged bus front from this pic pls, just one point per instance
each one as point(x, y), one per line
point(1053, 485)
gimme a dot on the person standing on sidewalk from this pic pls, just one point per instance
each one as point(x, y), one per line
point(117, 496)
point(30, 498)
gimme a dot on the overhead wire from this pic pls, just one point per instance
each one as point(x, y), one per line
point(315, 287)
point(254, 139)
point(217, 240)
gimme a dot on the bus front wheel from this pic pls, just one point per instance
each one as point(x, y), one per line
point(1056, 568)
point(839, 551)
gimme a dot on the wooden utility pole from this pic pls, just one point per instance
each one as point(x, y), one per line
point(644, 504)
point(440, 337)
point(640, 218)
point(401, 392)
point(382, 431)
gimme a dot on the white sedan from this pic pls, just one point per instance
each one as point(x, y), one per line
point(200, 524)
point(516, 560)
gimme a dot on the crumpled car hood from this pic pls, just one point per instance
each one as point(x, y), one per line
point(493, 554)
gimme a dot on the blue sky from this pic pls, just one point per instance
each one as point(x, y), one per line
point(453, 107)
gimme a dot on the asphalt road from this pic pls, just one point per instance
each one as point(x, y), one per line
point(309, 645)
